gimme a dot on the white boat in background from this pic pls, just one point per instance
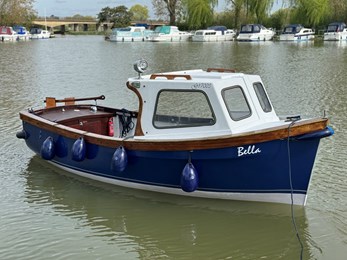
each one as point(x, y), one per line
point(7, 34)
point(37, 33)
point(255, 32)
point(335, 32)
point(130, 34)
point(296, 32)
point(214, 34)
point(167, 33)
point(23, 34)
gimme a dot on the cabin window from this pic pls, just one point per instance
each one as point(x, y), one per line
point(182, 109)
point(262, 97)
point(236, 103)
point(246, 28)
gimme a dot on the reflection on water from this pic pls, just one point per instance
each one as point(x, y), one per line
point(155, 225)
point(48, 215)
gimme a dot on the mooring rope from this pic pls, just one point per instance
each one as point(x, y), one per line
point(292, 191)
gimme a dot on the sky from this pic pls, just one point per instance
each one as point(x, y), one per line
point(63, 8)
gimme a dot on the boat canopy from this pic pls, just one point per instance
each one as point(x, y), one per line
point(20, 30)
point(251, 28)
point(166, 29)
point(6, 30)
point(336, 27)
point(35, 30)
point(292, 28)
point(218, 28)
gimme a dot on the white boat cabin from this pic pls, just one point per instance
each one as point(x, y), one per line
point(197, 103)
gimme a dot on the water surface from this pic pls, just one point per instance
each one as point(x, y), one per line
point(47, 214)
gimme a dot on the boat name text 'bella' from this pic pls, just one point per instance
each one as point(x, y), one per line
point(251, 149)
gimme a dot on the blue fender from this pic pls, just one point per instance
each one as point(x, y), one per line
point(189, 178)
point(79, 150)
point(48, 149)
point(119, 160)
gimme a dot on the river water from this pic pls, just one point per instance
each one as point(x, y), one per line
point(47, 214)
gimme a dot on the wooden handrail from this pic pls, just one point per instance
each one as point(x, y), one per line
point(171, 76)
point(51, 101)
point(220, 70)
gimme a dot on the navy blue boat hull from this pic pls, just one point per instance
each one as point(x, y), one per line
point(258, 172)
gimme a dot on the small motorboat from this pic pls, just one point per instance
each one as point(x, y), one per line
point(336, 32)
point(7, 34)
point(203, 133)
point(255, 32)
point(130, 34)
point(37, 33)
point(214, 34)
point(23, 34)
point(167, 33)
point(296, 32)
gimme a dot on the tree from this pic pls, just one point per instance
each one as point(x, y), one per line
point(311, 12)
point(280, 18)
point(237, 6)
point(260, 8)
point(167, 7)
point(105, 15)
point(15, 12)
point(140, 12)
point(119, 16)
point(200, 13)
point(338, 10)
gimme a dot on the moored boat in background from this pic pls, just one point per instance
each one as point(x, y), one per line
point(7, 34)
point(255, 32)
point(212, 134)
point(167, 33)
point(296, 32)
point(37, 33)
point(23, 34)
point(214, 34)
point(130, 34)
point(336, 32)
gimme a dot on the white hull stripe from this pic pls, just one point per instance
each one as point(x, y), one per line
point(298, 199)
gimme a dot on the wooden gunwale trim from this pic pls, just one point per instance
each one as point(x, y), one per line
point(274, 133)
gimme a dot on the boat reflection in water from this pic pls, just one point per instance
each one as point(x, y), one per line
point(152, 225)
